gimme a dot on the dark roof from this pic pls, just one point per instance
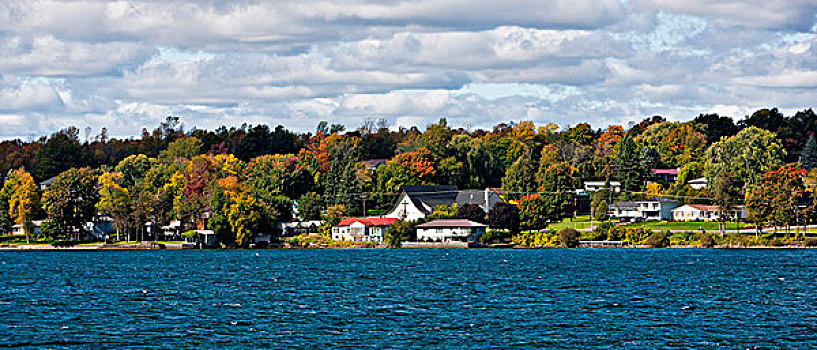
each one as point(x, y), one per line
point(478, 197)
point(661, 200)
point(450, 223)
point(424, 196)
point(624, 205)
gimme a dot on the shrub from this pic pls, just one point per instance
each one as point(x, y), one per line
point(657, 240)
point(635, 235)
point(494, 236)
point(707, 240)
point(810, 242)
point(569, 238)
point(777, 243)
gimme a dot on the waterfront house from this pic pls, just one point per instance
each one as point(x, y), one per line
point(658, 208)
point(362, 229)
point(416, 201)
point(450, 230)
point(17, 230)
point(594, 186)
point(700, 212)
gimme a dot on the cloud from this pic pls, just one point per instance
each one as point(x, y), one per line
point(127, 65)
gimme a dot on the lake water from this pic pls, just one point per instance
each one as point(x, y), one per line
point(604, 298)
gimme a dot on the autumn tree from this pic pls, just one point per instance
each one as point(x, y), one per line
point(776, 198)
point(115, 201)
point(504, 216)
point(244, 217)
point(24, 200)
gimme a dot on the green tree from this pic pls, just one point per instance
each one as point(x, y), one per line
point(745, 157)
point(520, 178)
point(133, 169)
point(183, 148)
point(630, 171)
point(310, 206)
point(808, 157)
point(70, 201)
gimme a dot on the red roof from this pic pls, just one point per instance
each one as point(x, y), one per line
point(665, 171)
point(369, 221)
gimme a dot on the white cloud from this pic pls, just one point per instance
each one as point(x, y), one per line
point(128, 64)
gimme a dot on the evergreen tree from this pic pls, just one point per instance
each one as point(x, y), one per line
point(808, 157)
point(630, 171)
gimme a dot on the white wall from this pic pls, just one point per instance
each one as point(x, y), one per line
point(405, 204)
point(444, 234)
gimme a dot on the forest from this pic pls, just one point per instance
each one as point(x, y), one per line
point(245, 179)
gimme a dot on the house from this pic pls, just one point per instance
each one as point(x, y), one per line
point(17, 230)
point(700, 212)
point(698, 183)
point(297, 228)
point(664, 176)
point(450, 230)
point(594, 186)
point(373, 164)
point(486, 199)
point(44, 185)
point(362, 229)
point(416, 201)
point(658, 208)
point(202, 239)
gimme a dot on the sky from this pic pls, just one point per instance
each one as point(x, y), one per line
point(126, 65)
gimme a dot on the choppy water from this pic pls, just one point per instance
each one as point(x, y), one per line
point(611, 298)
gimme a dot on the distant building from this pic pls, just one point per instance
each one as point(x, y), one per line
point(594, 186)
point(362, 229)
point(651, 209)
point(700, 212)
point(44, 185)
point(17, 230)
point(373, 164)
point(664, 175)
point(416, 201)
point(698, 183)
point(450, 230)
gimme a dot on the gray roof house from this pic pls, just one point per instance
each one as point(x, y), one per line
point(417, 201)
point(658, 208)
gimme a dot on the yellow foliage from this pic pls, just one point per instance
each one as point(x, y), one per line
point(655, 189)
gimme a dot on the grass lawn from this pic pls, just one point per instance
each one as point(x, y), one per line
point(577, 222)
point(685, 226)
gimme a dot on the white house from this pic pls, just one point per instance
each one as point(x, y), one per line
point(448, 230)
point(594, 186)
point(362, 229)
point(651, 209)
point(416, 201)
point(700, 212)
point(698, 183)
point(17, 230)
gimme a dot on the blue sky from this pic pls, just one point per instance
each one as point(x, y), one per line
point(126, 65)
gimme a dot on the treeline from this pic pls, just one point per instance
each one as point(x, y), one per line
point(244, 179)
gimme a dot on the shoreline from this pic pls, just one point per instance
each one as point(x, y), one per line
point(415, 245)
